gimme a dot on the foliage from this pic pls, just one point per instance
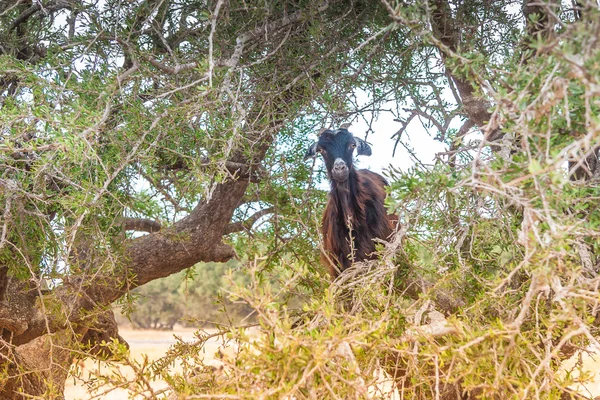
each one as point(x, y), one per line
point(195, 117)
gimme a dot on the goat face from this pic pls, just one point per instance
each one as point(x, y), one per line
point(337, 148)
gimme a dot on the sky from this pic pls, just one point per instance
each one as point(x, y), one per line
point(415, 137)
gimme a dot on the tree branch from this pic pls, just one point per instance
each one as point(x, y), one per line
point(37, 6)
point(25, 15)
point(248, 223)
point(141, 225)
point(178, 68)
point(445, 29)
point(241, 42)
point(164, 191)
point(251, 173)
point(195, 238)
point(540, 27)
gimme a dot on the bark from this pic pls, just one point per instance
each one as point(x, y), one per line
point(3, 281)
point(141, 225)
point(38, 369)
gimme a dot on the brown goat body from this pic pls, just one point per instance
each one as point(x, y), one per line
point(355, 215)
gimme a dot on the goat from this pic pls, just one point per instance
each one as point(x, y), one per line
point(355, 213)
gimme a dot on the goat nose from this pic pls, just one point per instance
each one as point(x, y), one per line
point(339, 164)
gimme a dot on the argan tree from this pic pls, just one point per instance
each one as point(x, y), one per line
point(141, 138)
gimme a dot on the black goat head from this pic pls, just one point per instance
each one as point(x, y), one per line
point(337, 149)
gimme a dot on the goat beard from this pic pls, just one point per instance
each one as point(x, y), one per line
point(341, 191)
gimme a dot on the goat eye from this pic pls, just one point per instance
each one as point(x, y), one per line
point(321, 151)
point(353, 145)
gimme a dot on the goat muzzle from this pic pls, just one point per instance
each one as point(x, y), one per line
point(340, 170)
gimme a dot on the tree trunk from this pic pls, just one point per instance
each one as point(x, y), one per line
point(38, 368)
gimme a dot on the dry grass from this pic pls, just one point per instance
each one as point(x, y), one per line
point(152, 344)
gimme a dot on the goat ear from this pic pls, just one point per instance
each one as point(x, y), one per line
point(362, 147)
point(311, 152)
